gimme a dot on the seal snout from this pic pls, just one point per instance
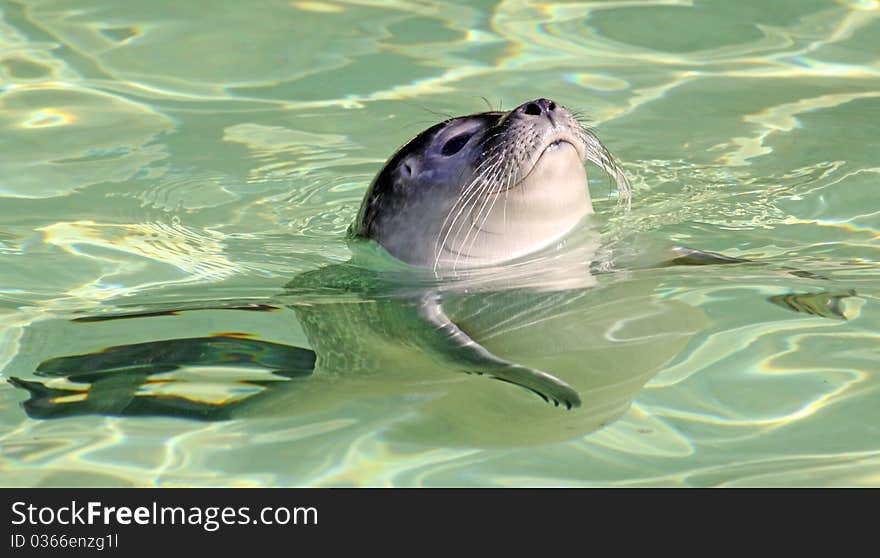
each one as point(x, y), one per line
point(538, 107)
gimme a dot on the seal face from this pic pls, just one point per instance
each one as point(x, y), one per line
point(485, 188)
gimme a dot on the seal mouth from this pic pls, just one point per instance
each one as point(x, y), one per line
point(557, 139)
point(555, 144)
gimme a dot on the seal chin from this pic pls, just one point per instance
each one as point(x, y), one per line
point(560, 159)
point(557, 183)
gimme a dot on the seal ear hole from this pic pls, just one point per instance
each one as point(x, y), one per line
point(455, 144)
point(406, 170)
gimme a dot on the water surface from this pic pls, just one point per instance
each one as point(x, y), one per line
point(164, 154)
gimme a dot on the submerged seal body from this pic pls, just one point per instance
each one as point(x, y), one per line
point(485, 188)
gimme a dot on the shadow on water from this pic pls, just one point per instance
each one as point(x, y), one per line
point(139, 379)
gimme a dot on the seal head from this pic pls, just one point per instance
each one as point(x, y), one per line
point(485, 188)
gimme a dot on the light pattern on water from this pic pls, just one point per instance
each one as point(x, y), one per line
point(159, 154)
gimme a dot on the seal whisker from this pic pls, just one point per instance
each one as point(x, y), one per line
point(484, 187)
point(488, 163)
point(438, 113)
point(479, 171)
point(482, 224)
point(461, 202)
point(506, 199)
point(485, 191)
point(482, 169)
point(494, 196)
point(481, 191)
point(597, 153)
point(504, 208)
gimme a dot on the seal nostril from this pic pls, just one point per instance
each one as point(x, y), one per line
point(407, 170)
point(532, 109)
point(551, 106)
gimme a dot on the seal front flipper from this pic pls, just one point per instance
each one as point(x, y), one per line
point(454, 347)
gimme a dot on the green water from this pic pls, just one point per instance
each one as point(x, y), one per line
point(158, 154)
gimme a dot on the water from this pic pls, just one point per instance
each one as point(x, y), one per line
point(201, 154)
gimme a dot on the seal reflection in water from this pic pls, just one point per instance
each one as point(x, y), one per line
point(472, 253)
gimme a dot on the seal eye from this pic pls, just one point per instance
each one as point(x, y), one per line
point(455, 144)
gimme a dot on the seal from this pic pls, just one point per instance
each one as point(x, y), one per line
point(479, 190)
point(485, 188)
